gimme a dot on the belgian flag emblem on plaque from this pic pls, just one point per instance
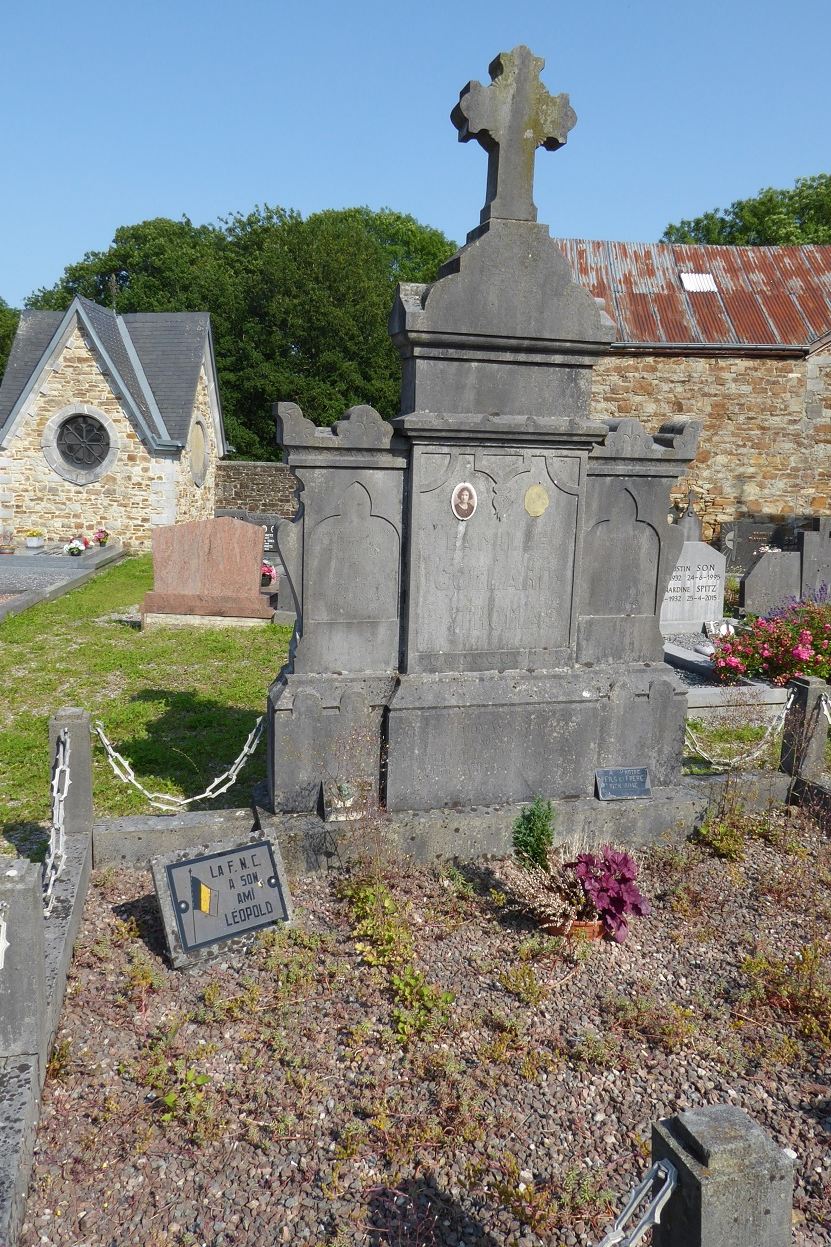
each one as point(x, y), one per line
point(205, 900)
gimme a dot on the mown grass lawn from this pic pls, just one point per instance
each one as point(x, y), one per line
point(177, 702)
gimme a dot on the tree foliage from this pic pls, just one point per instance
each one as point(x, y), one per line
point(8, 327)
point(298, 306)
point(772, 218)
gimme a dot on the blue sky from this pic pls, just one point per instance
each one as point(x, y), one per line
point(118, 112)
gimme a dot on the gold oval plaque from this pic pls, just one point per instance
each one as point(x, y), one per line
point(536, 500)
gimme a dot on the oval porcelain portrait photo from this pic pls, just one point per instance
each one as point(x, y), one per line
point(463, 501)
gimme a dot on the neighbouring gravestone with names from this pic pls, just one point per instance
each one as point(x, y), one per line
point(218, 894)
point(478, 581)
point(743, 542)
point(695, 592)
point(623, 783)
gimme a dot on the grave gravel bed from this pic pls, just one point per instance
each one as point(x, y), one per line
point(267, 1098)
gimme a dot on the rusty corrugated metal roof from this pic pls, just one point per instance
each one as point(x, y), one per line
point(774, 297)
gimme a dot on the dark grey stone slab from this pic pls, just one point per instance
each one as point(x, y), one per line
point(19, 1111)
point(774, 578)
point(816, 560)
point(743, 541)
point(217, 897)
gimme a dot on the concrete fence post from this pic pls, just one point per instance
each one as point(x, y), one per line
point(806, 730)
point(23, 974)
point(735, 1186)
point(78, 804)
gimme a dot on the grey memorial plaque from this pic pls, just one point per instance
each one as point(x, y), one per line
point(623, 783)
point(218, 894)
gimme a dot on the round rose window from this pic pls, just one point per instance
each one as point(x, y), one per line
point(83, 442)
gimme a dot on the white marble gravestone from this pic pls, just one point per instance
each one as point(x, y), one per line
point(696, 589)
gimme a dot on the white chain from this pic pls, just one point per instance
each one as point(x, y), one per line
point(776, 726)
point(165, 800)
point(826, 706)
point(662, 1171)
point(56, 855)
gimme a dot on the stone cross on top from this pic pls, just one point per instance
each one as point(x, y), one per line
point(512, 118)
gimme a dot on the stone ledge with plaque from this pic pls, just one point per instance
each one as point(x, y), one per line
point(623, 783)
point(216, 894)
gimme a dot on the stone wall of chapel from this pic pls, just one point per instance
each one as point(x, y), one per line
point(39, 498)
point(765, 446)
point(196, 502)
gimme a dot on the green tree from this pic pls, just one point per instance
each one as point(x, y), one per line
point(299, 307)
point(8, 328)
point(772, 218)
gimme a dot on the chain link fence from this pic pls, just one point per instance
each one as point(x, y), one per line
point(166, 801)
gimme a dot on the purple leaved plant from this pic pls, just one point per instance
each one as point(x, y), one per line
point(608, 880)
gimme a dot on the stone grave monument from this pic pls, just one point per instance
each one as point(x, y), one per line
point(478, 584)
point(206, 571)
point(695, 594)
point(783, 574)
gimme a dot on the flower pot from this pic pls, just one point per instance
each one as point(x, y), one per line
point(75, 554)
point(265, 582)
point(580, 929)
point(34, 543)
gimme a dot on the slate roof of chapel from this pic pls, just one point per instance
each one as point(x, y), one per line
point(158, 356)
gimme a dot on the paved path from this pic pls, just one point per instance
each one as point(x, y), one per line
point(29, 578)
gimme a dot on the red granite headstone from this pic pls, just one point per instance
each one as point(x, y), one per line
point(208, 567)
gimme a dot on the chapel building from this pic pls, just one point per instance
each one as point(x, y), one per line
point(109, 421)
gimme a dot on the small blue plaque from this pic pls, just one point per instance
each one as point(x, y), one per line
point(622, 783)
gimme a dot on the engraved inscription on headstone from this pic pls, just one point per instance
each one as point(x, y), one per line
point(501, 582)
point(270, 538)
point(623, 783)
point(696, 589)
point(211, 897)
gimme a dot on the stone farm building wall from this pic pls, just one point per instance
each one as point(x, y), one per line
point(261, 488)
point(765, 447)
point(738, 338)
point(161, 466)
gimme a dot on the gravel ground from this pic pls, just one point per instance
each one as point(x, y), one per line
point(267, 1099)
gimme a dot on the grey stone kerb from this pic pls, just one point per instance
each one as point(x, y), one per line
point(478, 582)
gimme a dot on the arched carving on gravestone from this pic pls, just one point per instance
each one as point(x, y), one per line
point(623, 551)
point(355, 554)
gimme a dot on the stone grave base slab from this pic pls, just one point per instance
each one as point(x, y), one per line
point(159, 620)
point(309, 845)
point(501, 737)
point(231, 606)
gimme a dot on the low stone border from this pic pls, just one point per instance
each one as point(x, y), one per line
point(309, 845)
point(749, 698)
point(33, 975)
point(91, 562)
